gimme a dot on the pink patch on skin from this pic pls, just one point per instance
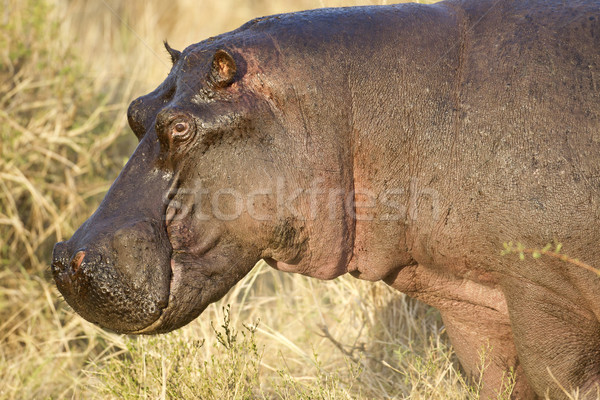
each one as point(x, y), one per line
point(77, 260)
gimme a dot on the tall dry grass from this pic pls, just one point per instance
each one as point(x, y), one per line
point(67, 72)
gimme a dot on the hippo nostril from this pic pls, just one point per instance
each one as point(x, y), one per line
point(77, 259)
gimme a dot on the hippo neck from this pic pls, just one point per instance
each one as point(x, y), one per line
point(399, 98)
point(402, 117)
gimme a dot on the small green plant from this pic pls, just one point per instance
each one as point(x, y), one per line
point(235, 365)
point(549, 250)
point(174, 366)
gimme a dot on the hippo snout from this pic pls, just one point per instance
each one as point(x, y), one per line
point(118, 278)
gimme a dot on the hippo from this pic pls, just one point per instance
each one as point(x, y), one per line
point(402, 143)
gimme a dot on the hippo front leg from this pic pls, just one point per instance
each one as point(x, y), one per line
point(557, 339)
point(489, 347)
point(478, 325)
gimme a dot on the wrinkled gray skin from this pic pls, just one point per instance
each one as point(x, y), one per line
point(399, 143)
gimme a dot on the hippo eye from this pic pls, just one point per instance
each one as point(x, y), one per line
point(180, 129)
point(174, 128)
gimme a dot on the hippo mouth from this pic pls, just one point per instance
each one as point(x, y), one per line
point(197, 279)
point(164, 322)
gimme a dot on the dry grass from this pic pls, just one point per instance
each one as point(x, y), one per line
point(67, 73)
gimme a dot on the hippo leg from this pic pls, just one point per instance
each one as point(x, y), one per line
point(478, 325)
point(488, 347)
point(558, 341)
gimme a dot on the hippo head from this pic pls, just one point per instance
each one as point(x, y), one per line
point(218, 181)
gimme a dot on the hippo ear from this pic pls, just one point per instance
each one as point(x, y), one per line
point(222, 69)
point(172, 52)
